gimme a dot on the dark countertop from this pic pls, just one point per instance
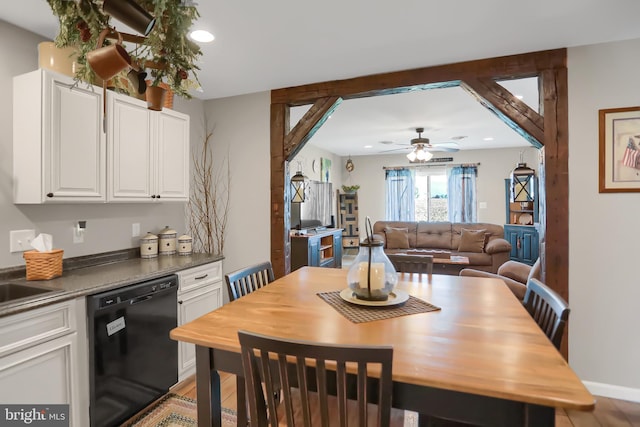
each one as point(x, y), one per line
point(99, 278)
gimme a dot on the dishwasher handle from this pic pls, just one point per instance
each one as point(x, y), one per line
point(138, 300)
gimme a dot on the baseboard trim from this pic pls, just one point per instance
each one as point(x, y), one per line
point(613, 391)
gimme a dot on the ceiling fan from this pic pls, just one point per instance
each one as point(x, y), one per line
point(421, 148)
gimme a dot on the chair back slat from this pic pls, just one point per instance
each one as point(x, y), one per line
point(246, 280)
point(549, 310)
point(404, 263)
point(297, 395)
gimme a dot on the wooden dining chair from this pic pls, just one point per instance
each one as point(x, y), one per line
point(406, 263)
point(273, 365)
point(246, 280)
point(548, 309)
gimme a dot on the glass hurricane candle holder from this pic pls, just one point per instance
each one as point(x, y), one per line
point(372, 276)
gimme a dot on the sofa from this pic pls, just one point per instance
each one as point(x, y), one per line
point(482, 243)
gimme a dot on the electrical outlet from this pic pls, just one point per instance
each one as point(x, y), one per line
point(20, 240)
point(78, 234)
point(135, 229)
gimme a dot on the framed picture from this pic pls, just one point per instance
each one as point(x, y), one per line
point(619, 150)
point(325, 170)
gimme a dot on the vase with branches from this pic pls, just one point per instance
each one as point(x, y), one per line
point(208, 206)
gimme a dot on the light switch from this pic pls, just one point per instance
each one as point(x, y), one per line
point(482, 205)
point(20, 240)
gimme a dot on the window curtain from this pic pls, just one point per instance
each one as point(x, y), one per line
point(462, 194)
point(400, 195)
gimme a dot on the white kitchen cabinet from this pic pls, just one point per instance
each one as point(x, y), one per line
point(43, 358)
point(199, 292)
point(59, 152)
point(148, 152)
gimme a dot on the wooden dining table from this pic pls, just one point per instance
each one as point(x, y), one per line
point(480, 359)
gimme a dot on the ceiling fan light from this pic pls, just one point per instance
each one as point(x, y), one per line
point(427, 156)
point(411, 156)
point(421, 154)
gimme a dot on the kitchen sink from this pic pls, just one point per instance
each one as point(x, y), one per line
point(14, 291)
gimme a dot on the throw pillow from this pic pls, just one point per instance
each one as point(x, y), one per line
point(471, 240)
point(397, 238)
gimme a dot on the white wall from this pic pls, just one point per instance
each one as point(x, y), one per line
point(604, 288)
point(495, 166)
point(241, 129)
point(108, 225)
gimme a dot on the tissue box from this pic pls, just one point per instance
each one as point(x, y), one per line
point(43, 265)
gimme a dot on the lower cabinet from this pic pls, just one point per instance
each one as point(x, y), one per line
point(43, 358)
point(200, 291)
point(524, 243)
point(320, 249)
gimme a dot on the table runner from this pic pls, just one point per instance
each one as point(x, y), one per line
point(360, 313)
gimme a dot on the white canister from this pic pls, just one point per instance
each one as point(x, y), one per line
point(167, 241)
point(149, 246)
point(185, 244)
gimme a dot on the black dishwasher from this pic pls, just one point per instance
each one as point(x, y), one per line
point(132, 360)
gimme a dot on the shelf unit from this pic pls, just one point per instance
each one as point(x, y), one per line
point(318, 249)
point(520, 230)
point(348, 219)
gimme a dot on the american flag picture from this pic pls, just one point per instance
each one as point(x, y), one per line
point(631, 156)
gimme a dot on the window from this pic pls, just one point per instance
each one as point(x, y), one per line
point(431, 195)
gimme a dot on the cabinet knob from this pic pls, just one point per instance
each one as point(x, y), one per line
point(153, 196)
point(158, 196)
point(179, 302)
point(49, 194)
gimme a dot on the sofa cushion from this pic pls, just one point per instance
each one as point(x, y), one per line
point(472, 240)
point(495, 231)
point(379, 226)
point(396, 238)
point(434, 235)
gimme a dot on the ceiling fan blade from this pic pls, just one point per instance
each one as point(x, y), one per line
point(442, 148)
point(449, 144)
point(395, 149)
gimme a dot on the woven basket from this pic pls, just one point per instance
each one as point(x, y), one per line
point(43, 265)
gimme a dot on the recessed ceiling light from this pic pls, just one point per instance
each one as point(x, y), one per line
point(519, 96)
point(201, 36)
point(368, 146)
point(459, 137)
point(489, 138)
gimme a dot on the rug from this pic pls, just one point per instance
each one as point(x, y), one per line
point(173, 410)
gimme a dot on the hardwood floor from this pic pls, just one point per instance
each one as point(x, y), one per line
point(608, 412)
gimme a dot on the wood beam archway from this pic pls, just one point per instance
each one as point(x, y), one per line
point(549, 129)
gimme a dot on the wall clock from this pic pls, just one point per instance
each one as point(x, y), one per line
point(314, 165)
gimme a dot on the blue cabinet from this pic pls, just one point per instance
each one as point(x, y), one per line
point(322, 248)
point(520, 228)
point(524, 242)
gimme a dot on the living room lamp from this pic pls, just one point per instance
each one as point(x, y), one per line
point(298, 188)
point(522, 188)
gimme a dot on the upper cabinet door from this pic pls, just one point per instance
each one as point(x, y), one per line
point(172, 156)
point(148, 152)
point(130, 150)
point(59, 146)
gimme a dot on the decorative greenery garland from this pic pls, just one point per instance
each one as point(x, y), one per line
point(166, 45)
